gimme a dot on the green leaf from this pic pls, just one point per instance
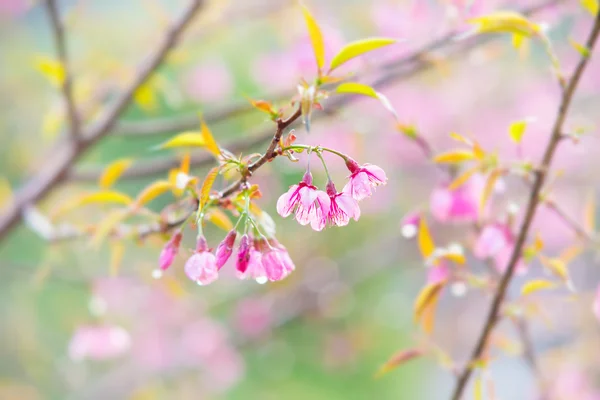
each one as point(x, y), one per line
point(184, 139)
point(590, 6)
point(505, 22)
point(581, 49)
point(355, 49)
point(516, 130)
point(316, 37)
point(366, 90)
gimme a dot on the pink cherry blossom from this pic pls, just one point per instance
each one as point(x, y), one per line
point(438, 273)
point(497, 242)
point(168, 253)
point(457, 205)
point(225, 248)
point(311, 205)
point(362, 179)
point(243, 256)
point(275, 259)
point(201, 267)
point(343, 207)
point(98, 342)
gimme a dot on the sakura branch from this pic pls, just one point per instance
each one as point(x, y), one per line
point(532, 205)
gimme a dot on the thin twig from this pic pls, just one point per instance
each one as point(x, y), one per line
point(532, 205)
point(58, 31)
point(55, 169)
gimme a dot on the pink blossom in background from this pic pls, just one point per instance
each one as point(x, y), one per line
point(275, 72)
point(460, 204)
point(409, 225)
point(438, 273)
point(496, 241)
point(252, 317)
point(210, 82)
point(98, 342)
point(224, 369)
point(200, 339)
point(572, 383)
point(13, 8)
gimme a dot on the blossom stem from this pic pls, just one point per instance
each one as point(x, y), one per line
point(316, 148)
point(324, 164)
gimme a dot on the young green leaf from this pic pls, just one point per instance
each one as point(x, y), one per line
point(316, 37)
point(398, 359)
point(581, 49)
point(516, 130)
point(184, 139)
point(209, 140)
point(101, 197)
point(151, 192)
point(591, 6)
point(505, 22)
point(454, 157)
point(207, 185)
point(113, 171)
point(355, 49)
point(424, 308)
point(536, 285)
point(53, 70)
point(366, 90)
point(426, 245)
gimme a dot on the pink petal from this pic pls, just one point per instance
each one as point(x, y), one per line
point(285, 204)
point(349, 206)
point(376, 172)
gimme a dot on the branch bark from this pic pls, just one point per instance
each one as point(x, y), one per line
point(532, 205)
point(55, 170)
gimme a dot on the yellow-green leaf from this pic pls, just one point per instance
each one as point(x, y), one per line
point(478, 388)
point(109, 222)
point(556, 266)
point(518, 40)
point(458, 258)
point(207, 185)
point(152, 191)
point(516, 130)
point(581, 49)
point(424, 308)
point(505, 22)
point(398, 359)
point(263, 106)
point(454, 157)
point(219, 219)
point(355, 49)
point(591, 6)
point(462, 178)
point(426, 245)
point(184, 139)
point(145, 97)
point(316, 37)
point(209, 140)
point(489, 187)
point(535, 285)
point(356, 88)
point(53, 70)
point(113, 172)
point(101, 197)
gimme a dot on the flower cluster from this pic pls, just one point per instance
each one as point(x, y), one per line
point(330, 207)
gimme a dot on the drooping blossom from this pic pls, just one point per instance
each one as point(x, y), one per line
point(409, 226)
point(243, 256)
point(98, 342)
point(309, 204)
point(255, 268)
point(225, 248)
point(201, 267)
point(496, 241)
point(343, 207)
point(362, 179)
point(168, 253)
point(457, 205)
point(275, 259)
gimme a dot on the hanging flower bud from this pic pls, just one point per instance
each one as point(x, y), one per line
point(225, 248)
point(201, 267)
point(343, 207)
point(168, 253)
point(362, 179)
point(309, 204)
point(243, 256)
point(275, 260)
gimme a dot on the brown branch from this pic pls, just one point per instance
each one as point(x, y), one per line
point(532, 205)
point(55, 169)
point(58, 31)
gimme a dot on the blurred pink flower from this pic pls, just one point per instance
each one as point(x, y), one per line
point(343, 207)
point(210, 82)
point(252, 317)
point(201, 267)
point(98, 342)
point(409, 226)
point(226, 369)
point(13, 8)
point(225, 248)
point(311, 205)
point(458, 205)
point(275, 72)
point(362, 179)
point(438, 273)
point(572, 383)
point(168, 253)
point(496, 241)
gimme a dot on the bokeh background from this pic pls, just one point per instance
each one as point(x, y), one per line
point(323, 332)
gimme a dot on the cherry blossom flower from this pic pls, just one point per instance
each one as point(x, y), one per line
point(409, 225)
point(362, 179)
point(201, 267)
point(457, 205)
point(311, 205)
point(497, 242)
point(343, 207)
point(225, 248)
point(168, 253)
point(98, 342)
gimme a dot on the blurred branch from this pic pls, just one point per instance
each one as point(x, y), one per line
point(58, 31)
point(532, 205)
point(55, 169)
